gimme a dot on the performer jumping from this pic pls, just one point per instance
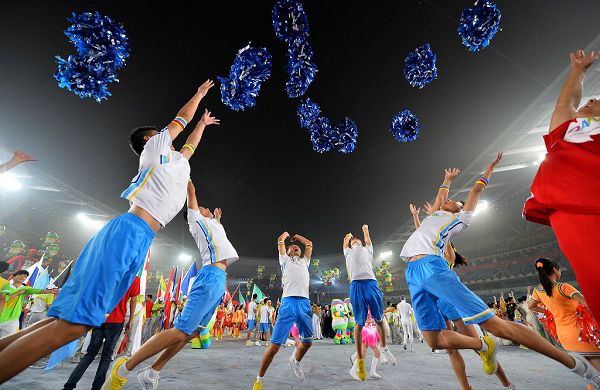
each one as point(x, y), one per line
point(365, 296)
point(217, 253)
point(564, 193)
point(295, 306)
point(112, 258)
point(430, 279)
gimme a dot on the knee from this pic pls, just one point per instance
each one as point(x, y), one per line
point(306, 345)
point(273, 349)
point(180, 337)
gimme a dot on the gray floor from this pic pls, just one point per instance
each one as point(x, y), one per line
point(231, 365)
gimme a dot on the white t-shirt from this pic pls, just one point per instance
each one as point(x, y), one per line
point(160, 187)
point(359, 262)
point(210, 238)
point(405, 310)
point(435, 232)
point(251, 307)
point(265, 314)
point(295, 278)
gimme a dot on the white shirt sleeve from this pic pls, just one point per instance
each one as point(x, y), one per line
point(193, 215)
point(346, 251)
point(306, 260)
point(160, 143)
point(283, 259)
point(370, 249)
point(466, 217)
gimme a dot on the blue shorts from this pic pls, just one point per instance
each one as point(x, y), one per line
point(293, 310)
point(204, 297)
point(366, 296)
point(251, 324)
point(104, 271)
point(263, 327)
point(448, 311)
point(429, 280)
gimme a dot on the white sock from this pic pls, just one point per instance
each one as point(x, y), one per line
point(122, 371)
point(354, 356)
point(484, 346)
point(260, 379)
point(580, 367)
point(374, 362)
point(154, 373)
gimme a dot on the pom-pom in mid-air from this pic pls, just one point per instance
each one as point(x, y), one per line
point(419, 66)
point(405, 126)
point(102, 49)
point(322, 135)
point(479, 24)
point(251, 67)
point(289, 20)
point(291, 26)
point(346, 136)
point(308, 112)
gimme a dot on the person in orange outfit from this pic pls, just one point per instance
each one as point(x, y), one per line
point(562, 300)
point(566, 187)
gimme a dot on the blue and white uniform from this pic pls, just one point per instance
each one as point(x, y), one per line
point(295, 305)
point(110, 261)
point(208, 288)
point(430, 278)
point(365, 294)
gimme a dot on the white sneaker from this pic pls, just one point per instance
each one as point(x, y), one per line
point(249, 343)
point(374, 375)
point(511, 387)
point(353, 373)
point(297, 367)
point(585, 369)
point(147, 380)
point(385, 352)
point(257, 343)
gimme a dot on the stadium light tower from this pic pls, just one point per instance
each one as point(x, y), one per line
point(385, 255)
point(481, 207)
point(9, 182)
point(89, 222)
point(184, 258)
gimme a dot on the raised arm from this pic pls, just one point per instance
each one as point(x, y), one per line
point(192, 202)
point(281, 243)
point(187, 112)
point(415, 214)
point(365, 229)
point(347, 239)
point(442, 195)
point(480, 185)
point(18, 157)
point(307, 244)
point(194, 138)
point(572, 91)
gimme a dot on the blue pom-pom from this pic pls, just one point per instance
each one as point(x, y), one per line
point(289, 20)
point(308, 111)
point(301, 69)
point(419, 66)
point(479, 24)
point(251, 67)
point(405, 126)
point(346, 136)
point(322, 135)
point(102, 49)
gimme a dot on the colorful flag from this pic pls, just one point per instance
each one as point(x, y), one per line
point(241, 297)
point(33, 271)
point(188, 279)
point(64, 352)
point(62, 278)
point(168, 296)
point(162, 288)
point(140, 308)
point(259, 294)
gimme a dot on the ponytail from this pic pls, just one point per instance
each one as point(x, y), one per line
point(458, 258)
point(545, 268)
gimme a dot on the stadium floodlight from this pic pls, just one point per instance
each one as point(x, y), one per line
point(481, 207)
point(9, 182)
point(89, 222)
point(184, 258)
point(539, 160)
point(385, 255)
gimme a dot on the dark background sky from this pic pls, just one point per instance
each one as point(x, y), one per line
point(258, 165)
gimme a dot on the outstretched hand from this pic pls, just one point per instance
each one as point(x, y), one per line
point(582, 61)
point(413, 209)
point(492, 165)
point(203, 89)
point(20, 157)
point(218, 213)
point(451, 173)
point(428, 208)
point(207, 119)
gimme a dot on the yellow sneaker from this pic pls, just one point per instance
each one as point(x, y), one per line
point(257, 385)
point(113, 381)
point(360, 372)
point(489, 357)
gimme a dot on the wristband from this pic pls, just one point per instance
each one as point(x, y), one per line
point(309, 246)
point(180, 121)
point(483, 181)
point(190, 147)
point(446, 188)
point(281, 242)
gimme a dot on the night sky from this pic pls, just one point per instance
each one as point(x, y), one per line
point(258, 166)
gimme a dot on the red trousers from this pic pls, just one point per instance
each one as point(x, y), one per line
point(578, 236)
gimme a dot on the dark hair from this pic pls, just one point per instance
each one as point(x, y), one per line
point(545, 268)
point(509, 299)
point(21, 272)
point(4, 266)
point(136, 138)
point(150, 296)
point(254, 296)
point(184, 214)
point(458, 258)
